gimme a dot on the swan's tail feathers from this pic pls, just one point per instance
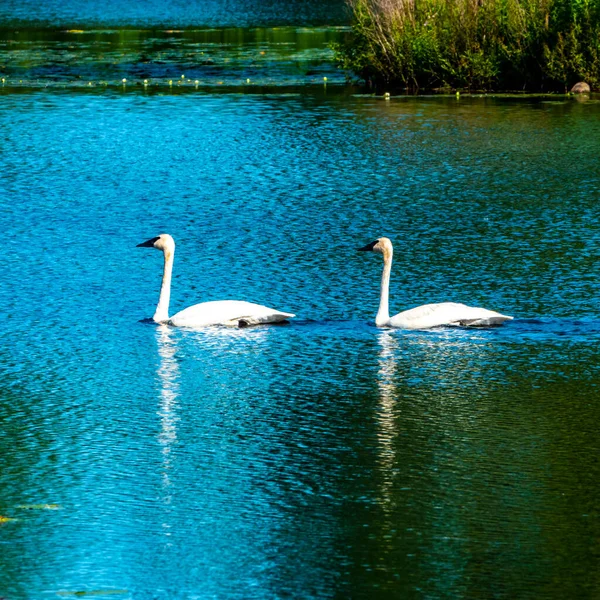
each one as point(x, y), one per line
point(250, 320)
point(491, 321)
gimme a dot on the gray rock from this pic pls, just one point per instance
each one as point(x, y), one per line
point(580, 88)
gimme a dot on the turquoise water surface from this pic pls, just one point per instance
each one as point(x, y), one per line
point(324, 458)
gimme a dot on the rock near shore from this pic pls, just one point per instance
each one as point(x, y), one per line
point(580, 88)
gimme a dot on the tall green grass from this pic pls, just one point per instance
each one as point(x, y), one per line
point(531, 45)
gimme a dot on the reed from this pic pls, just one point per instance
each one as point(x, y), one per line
point(531, 45)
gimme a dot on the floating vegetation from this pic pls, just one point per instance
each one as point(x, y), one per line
point(7, 519)
point(150, 59)
point(92, 592)
point(40, 506)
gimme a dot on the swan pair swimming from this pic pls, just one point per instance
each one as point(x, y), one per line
point(242, 314)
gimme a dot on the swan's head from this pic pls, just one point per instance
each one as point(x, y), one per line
point(382, 245)
point(162, 242)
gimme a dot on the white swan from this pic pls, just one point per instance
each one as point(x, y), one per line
point(222, 312)
point(428, 315)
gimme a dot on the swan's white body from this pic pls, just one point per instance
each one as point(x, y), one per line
point(227, 312)
point(428, 315)
point(234, 313)
point(444, 313)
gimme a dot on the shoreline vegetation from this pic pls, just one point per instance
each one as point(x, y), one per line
point(473, 45)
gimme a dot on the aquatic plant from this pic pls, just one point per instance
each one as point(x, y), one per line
point(532, 45)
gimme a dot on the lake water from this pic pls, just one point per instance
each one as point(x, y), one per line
point(324, 458)
point(171, 13)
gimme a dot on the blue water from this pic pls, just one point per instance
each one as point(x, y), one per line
point(172, 13)
point(324, 458)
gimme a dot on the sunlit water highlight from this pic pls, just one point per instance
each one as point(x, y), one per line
point(324, 458)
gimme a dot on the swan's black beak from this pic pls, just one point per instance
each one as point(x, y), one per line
point(368, 247)
point(148, 243)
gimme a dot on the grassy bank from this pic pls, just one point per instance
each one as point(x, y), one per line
point(531, 45)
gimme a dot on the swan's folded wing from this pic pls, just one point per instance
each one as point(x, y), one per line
point(227, 312)
point(446, 313)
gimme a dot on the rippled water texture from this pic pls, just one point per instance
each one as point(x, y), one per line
point(188, 13)
point(324, 458)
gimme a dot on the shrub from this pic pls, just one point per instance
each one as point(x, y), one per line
point(533, 45)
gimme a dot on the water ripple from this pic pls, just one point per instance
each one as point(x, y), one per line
point(326, 457)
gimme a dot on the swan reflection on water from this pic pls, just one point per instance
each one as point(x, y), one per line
point(205, 345)
point(388, 430)
point(168, 375)
point(429, 384)
point(226, 338)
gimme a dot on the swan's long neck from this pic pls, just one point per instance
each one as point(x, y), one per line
point(162, 310)
point(383, 314)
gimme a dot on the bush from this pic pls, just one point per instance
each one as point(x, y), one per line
point(532, 45)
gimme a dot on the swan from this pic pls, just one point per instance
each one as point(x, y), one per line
point(222, 312)
point(428, 315)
